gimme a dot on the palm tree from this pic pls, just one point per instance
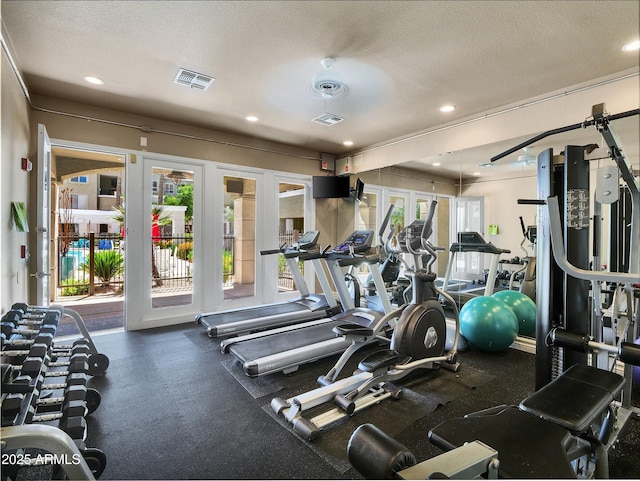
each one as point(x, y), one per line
point(159, 218)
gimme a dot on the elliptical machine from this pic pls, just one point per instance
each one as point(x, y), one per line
point(417, 342)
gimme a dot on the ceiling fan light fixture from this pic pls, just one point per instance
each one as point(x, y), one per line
point(527, 158)
point(327, 84)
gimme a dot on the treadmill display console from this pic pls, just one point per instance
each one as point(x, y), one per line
point(473, 242)
point(308, 239)
point(360, 240)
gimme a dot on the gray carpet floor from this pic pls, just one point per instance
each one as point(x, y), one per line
point(175, 407)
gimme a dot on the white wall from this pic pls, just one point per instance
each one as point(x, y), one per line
point(13, 188)
point(501, 208)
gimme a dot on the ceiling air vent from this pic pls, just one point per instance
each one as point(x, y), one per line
point(327, 119)
point(193, 79)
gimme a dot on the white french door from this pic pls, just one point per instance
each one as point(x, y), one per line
point(469, 217)
point(164, 243)
point(241, 216)
point(291, 217)
point(43, 247)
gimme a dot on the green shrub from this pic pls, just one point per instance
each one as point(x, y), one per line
point(107, 265)
point(185, 251)
point(227, 262)
point(166, 244)
point(69, 289)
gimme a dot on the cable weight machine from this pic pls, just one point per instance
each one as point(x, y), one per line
point(564, 300)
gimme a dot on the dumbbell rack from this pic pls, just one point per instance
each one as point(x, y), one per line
point(45, 399)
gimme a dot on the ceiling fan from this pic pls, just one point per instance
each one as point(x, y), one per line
point(526, 159)
point(328, 86)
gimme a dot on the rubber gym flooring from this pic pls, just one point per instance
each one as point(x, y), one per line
point(175, 407)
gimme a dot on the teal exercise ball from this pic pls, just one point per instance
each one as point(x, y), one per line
point(524, 309)
point(488, 323)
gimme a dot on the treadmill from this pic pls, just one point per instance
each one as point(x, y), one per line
point(472, 242)
point(306, 307)
point(285, 349)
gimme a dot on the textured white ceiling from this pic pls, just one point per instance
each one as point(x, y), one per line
point(401, 60)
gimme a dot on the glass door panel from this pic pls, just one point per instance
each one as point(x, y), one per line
point(291, 225)
point(239, 237)
point(398, 216)
point(368, 212)
point(469, 218)
point(422, 208)
point(173, 247)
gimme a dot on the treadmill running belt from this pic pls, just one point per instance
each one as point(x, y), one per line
point(269, 345)
point(260, 311)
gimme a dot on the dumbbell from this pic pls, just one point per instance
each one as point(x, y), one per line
point(66, 351)
point(18, 317)
point(11, 333)
point(15, 391)
point(35, 355)
point(13, 397)
point(33, 311)
point(75, 392)
point(57, 350)
point(98, 362)
point(71, 420)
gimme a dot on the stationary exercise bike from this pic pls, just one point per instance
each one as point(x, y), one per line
point(417, 342)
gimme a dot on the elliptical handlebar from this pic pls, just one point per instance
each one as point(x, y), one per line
point(385, 221)
point(424, 235)
point(427, 229)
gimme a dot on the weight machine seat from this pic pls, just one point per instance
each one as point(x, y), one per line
point(528, 446)
point(576, 398)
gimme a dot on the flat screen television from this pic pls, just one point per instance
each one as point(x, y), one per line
point(358, 190)
point(330, 186)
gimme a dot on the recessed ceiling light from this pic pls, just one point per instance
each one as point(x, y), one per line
point(348, 143)
point(251, 118)
point(476, 174)
point(447, 108)
point(631, 46)
point(93, 80)
point(436, 164)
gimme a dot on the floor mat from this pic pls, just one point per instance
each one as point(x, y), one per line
point(201, 340)
point(421, 396)
point(257, 387)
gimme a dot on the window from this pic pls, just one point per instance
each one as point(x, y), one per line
point(81, 179)
point(169, 188)
point(108, 185)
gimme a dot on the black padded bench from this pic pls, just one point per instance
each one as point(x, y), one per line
point(528, 446)
point(532, 441)
point(576, 398)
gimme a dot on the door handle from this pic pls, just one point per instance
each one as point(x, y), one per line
point(40, 275)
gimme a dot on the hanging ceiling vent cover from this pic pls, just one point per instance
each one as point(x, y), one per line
point(327, 119)
point(193, 80)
